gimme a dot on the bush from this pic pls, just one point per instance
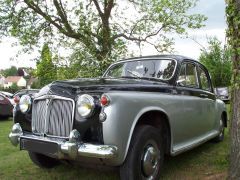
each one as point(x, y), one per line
point(12, 89)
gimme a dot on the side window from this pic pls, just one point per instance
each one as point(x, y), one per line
point(188, 75)
point(204, 80)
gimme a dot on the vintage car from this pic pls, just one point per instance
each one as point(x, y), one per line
point(14, 98)
point(17, 95)
point(223, 94)
point(6, 108)
point(139, 110)
point(22, 92)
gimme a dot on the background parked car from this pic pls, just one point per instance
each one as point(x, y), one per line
point(9, 96)
point(25, 91)
point(13, 98)
point(223, 94)
point(6, 106)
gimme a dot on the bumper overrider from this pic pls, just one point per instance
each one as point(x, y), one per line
point(60, 148)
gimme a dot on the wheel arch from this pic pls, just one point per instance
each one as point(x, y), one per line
point(225, 118)
point(161, 121)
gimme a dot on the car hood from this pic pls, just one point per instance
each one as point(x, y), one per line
point(77, 86)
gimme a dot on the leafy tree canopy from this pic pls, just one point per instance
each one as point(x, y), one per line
point(46, 71)
point(218, 61)
point(100, 28)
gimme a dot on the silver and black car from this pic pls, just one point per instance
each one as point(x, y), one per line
point(140, 110)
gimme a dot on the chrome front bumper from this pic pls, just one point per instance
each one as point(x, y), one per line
point(62, 148)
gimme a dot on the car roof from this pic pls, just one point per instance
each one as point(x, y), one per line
point(23, 91)
point(6, 93)
point(170, 56)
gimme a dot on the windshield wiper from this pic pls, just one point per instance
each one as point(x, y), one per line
point(153, 79)
point(145, 78)
point(128, 77)
point(133, 73)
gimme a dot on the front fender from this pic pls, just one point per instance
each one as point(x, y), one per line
point(123, 113)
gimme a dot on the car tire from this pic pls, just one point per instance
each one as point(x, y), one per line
point(43, 161)
point(220, 136)
point(145, 155)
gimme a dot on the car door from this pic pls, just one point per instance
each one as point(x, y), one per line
point(188, 87)
point(208, 98)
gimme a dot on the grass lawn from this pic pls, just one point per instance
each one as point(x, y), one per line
point(209, 161)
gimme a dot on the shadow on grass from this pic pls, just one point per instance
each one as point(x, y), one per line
point(5, 118)
point(200, 162)
point(204, 161)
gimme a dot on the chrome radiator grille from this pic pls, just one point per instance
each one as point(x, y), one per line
point(52, 116)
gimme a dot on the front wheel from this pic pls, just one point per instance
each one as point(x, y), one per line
point(145, 155)
point(42, 160)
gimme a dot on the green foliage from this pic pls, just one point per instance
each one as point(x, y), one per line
point(14, 87)
point(46, 71)
point(84, 65)
point(36, 85)
point(12, 71)
point(233, 34)
point(218, 61)
point(98, 31)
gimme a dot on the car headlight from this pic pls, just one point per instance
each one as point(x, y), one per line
point(25, 103)
point(85, 105)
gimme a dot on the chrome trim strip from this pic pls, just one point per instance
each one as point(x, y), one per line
point(202, 140)
point(97, 151)
point(66, 149)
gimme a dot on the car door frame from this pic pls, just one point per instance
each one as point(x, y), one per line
point(190, 96)
point(194, 112)
point(209, 98)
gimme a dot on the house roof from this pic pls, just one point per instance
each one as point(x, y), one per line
point(13, 79)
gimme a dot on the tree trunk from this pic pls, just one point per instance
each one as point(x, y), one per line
point(233, 34)
point(234, 170)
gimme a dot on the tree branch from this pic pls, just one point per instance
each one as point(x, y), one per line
point(108, 5)
point(63, 16)
point(98, 8)
point(132, 38)
point(67, 32)
point(48, 18)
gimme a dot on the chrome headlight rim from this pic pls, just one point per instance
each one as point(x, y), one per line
point(81, 100)
point(25, 103)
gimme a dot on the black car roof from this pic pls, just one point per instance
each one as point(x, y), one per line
point(176, 57)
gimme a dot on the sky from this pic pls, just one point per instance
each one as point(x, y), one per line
point(215, 26)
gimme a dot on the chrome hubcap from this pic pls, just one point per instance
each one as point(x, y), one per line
point(150, 161)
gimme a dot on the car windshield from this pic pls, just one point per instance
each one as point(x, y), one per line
point(145, 69)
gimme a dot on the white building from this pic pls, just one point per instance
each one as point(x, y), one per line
point(19, 80)
point(2, 81)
